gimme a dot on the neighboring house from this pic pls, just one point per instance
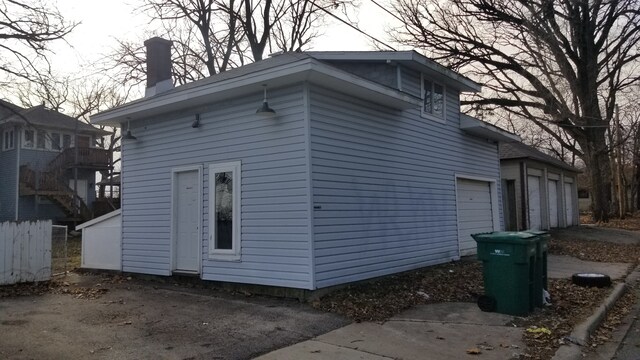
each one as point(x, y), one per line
point(363, 168)
point(40, 148)
point(538, 190)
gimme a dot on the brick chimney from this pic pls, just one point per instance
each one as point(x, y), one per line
point(158, 66)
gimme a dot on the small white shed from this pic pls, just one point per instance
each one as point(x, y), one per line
point(102, 242)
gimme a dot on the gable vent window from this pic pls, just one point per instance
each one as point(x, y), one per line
point(433, 101)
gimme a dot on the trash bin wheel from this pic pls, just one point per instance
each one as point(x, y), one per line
point(591, 279)
point(487, 303)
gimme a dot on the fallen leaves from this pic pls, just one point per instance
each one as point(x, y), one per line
point(474, 351)
point(385, 297)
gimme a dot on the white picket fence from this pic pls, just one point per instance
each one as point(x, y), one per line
point(25, 251)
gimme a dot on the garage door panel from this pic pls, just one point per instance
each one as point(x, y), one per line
point(475, 213)
point(568, 203)
point(533, 187)
point(553, 203)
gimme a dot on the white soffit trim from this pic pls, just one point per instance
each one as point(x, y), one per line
point(297, 72)
point(485, 130)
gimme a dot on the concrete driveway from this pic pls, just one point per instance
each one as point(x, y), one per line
point(136, 319)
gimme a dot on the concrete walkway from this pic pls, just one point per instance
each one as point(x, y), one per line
point(435, 331)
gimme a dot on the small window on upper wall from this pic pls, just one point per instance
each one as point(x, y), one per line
point(29, 139)
point(8, 140)
point(41, 139)
point(433, 100)
point(66, 141)
point(55, 141)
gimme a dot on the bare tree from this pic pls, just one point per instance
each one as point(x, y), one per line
point(26, 30)
point(552, 62)
point(211, 36)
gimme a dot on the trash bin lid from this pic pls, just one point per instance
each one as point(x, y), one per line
point(505, 236)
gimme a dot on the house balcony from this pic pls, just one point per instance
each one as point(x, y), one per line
point(87, 158)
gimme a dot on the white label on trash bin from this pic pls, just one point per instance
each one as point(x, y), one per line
point(499, 252)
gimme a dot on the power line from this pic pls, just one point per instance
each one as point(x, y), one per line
point(352, 26)
point(387, 11)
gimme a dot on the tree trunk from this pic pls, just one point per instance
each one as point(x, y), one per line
point(599, 171)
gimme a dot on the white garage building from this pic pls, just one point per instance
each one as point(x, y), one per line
point(538, 191)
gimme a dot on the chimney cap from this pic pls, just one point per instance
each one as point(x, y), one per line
point(157, 39)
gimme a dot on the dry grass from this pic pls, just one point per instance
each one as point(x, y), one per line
point(74, 250)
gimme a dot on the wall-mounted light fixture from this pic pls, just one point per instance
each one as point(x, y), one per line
point(196, 122)
point(265, 110)
point(128, 135)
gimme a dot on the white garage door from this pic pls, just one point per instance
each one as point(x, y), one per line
point(475, 213)
point(533, 185)
point(553, 203)
point(568, 204)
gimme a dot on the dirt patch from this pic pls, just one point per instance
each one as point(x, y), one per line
point(115, 317)
point(597, 244)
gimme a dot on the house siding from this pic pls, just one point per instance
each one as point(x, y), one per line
point(274, 205)
point(384, 185)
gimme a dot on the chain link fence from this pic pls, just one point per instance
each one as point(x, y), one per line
point(65, 250)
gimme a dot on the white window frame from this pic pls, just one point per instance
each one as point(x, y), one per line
point(234, 253)
point(8, 134)
point(444, 100)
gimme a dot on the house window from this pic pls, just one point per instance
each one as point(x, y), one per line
point(8, 140)
point(66, 141)
point(29, 138)
point(55, 141)
point(224, 211)
point(41, 139)
point(433, 99)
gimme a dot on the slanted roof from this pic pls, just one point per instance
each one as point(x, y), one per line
point(410, 58)
point(485, 130)
point(7, 109)
point(39, 116)
point(518, 150)
point(283, 70)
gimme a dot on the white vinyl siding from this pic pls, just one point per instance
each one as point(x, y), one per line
point(274, 206)
point(384, 186)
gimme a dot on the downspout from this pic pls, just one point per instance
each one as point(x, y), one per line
point(18, 147)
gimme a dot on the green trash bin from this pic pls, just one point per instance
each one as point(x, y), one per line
point(541, 277)
point(509, 271)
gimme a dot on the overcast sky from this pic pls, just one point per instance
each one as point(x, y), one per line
point(104, 21)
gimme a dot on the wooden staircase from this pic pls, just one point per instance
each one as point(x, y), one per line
point(51, 186)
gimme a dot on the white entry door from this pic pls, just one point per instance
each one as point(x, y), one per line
point(568, 204)
point(475, 212)
point(533, 186)
point(186, 220)
point(553, 203)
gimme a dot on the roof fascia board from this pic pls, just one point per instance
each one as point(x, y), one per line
point(303, 70)
point(410, 57)
point(99, 219)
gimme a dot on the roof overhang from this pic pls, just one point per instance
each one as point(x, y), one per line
point(410, 59)
point(485, 130)
point(308, 69)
